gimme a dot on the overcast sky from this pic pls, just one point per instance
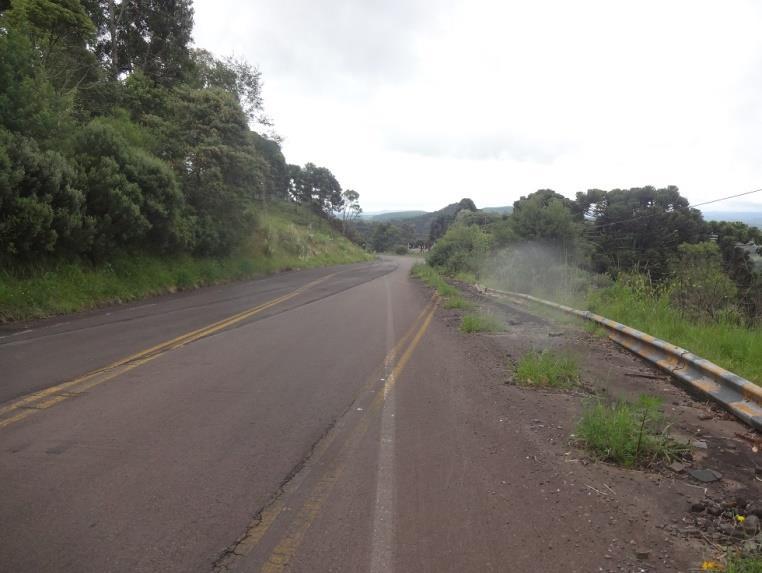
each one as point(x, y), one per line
point(417, 103)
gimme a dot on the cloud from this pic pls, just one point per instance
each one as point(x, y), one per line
point(485, 145)
point(418, 103)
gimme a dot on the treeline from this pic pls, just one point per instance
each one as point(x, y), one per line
point(415, 232)
point(645, 236)
point(116, 135)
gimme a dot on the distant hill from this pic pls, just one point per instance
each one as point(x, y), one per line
point(422, 223)
point(753, 218)
point(505, 210)
point(383, 216)
point(421, 220)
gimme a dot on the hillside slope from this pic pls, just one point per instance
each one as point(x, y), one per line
point(286, 236)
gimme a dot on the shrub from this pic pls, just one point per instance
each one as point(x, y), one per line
point(462, 249)
point(626, 433)
point(700, 287)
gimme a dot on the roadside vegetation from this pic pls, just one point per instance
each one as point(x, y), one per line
point(738, 563)
point(628, 433)
point(547, 368)
point(458, 302)
point(286, 237)
point(133, 163)
point(639, 256)
point(480, 322)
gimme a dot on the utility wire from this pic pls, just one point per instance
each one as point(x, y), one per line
point(602, 225)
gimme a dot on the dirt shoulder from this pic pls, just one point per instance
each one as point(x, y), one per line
point(617, 519)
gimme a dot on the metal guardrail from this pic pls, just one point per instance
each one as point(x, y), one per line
point(739, 396)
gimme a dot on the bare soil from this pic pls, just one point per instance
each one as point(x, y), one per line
point(656, 519)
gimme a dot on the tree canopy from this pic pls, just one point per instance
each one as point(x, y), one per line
point(117, 134)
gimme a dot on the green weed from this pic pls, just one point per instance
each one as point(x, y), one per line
point(480, 323)
point(547, 369)
point(458, 302)
point(431, 277)
point(626, 433)
point(738, 563)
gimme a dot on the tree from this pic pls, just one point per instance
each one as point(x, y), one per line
point(385, 237)
point(316, 186)
point(547, 218)
point(41, 206)
point(60, 32)
point(638, 228)
point(235, 76)
point(351, 209)
point(700, 287)
point(149, 35)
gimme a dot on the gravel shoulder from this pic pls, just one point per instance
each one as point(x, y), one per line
point(661, 519)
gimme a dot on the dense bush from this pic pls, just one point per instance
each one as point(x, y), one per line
point(700, 287)
point(117, 136)
point(461, 249)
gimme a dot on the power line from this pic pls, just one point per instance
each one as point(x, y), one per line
point(726, 198)
point(602, 225)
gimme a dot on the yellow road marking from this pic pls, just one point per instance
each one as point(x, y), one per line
point(284, 552)
point(50, 396)
point(259, 527)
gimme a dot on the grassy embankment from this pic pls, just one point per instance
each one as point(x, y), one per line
point(730, 345)
point(285, 237)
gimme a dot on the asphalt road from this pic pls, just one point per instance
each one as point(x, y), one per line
point(162, 464)
point(313, 421)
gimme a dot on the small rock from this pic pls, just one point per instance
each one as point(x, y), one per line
point(643, 553)
point(751, 524)
point(677, 467)
point(705, 416)
point(751, 546)
point(705, 475)
point(554, 334)
point(700, 444)
point(698, 507)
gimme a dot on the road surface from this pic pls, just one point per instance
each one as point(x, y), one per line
point(319, 420)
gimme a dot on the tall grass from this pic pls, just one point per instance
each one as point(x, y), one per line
point(286, 237)
point(725, 342)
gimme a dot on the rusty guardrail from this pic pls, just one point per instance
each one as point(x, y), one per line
point(739, 396)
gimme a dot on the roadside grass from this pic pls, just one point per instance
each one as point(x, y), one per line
point(479, 322)
point(628, 433)
point(732, 346)
point(738, 563)
point(431, 277)
point(547, 368)
point(458, 302)
point(285, 237)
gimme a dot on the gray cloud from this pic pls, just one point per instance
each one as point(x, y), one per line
point(476, 146)
point(331, 41)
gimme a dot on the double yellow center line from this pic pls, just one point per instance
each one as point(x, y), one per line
point(302, 513)
point(30, 404)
